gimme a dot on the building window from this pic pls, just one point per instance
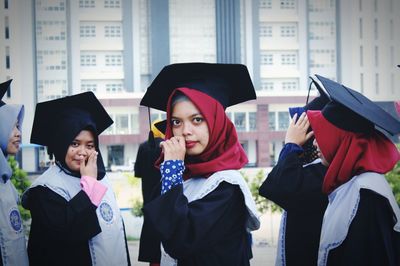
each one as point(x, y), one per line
point(5, 4)
point(252, 121)
point(7, 28)
point(376, 29)
point(289, 85)
point(8, 60)
point(113, 60)
point(87, 3)
point(112, 3)
point(266, 4)
point(267, 85)
point(288, 31)
point(376, 5)
point(362, 82)
point(361, 28)
point(87, 31)
point(288, 4)
point(113, 87)
point(115, 155)
point(266, 58)
point(322, 58)
point(135, 124)
point(112, 31)
point(360, 5)
point(240, 121)
point(88, 87)
point(158, 116)
point(271, 121)
point(88, 60)
point(320, 6)
point(322, 30)
point(289, 59)
point(391, 29)
point(377, 83)
point(391, 55)
point(361, 56)
point(265, 30)
point(122, 124)
point(376, 56)
point(283, 121)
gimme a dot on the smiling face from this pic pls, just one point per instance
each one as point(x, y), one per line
point(188, 122)
point(320, 155)
point(79, 150)
point(14, 141)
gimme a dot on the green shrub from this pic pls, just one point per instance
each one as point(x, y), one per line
point(137, 208)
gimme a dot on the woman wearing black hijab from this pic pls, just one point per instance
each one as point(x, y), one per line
point(75, 217)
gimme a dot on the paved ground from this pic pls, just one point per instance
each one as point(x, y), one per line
point(264, 255)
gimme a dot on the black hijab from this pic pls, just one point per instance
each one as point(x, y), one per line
point(71, 122)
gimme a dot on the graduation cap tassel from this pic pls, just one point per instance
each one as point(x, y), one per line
point(150, 138)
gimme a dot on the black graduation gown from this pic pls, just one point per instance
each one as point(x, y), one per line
point(371, 239)
point(209, 231)
point(149, 247)
point(298, 190)
point(144, 167)
point(60, 229)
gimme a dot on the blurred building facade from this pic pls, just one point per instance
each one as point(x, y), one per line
point(54, 48)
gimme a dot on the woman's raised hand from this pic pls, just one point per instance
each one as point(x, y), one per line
point(174, 148)
point(297, 130)
point(89, 168)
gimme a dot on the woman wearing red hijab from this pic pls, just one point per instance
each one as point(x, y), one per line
point(205, 210)
point(362, 221)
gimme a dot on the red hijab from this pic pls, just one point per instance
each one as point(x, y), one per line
point(350, 153)
point(223, 151)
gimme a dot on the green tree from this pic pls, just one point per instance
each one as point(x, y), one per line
point(254, 184)
point(21, 183)
point(393, 177)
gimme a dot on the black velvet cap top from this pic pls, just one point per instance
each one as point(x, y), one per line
point(352, 111)
point(54, 114)
point(3, 89)
point(229, 84)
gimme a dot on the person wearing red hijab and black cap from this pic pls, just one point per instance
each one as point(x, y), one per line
point(75, 217)
point(205, 209)
point(295, 184)
point(361, 224)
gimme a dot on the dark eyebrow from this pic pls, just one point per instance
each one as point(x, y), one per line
point(193, 115)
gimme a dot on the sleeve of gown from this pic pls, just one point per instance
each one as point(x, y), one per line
point(290, 184)
point(70, 221)
point(187, 228)
point(140, 160)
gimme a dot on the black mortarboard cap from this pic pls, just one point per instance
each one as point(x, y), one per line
point(161, 125)
point(3, 89)
point(351, 109)
point(48, 114)
point(229, 84)
point(320, 101)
